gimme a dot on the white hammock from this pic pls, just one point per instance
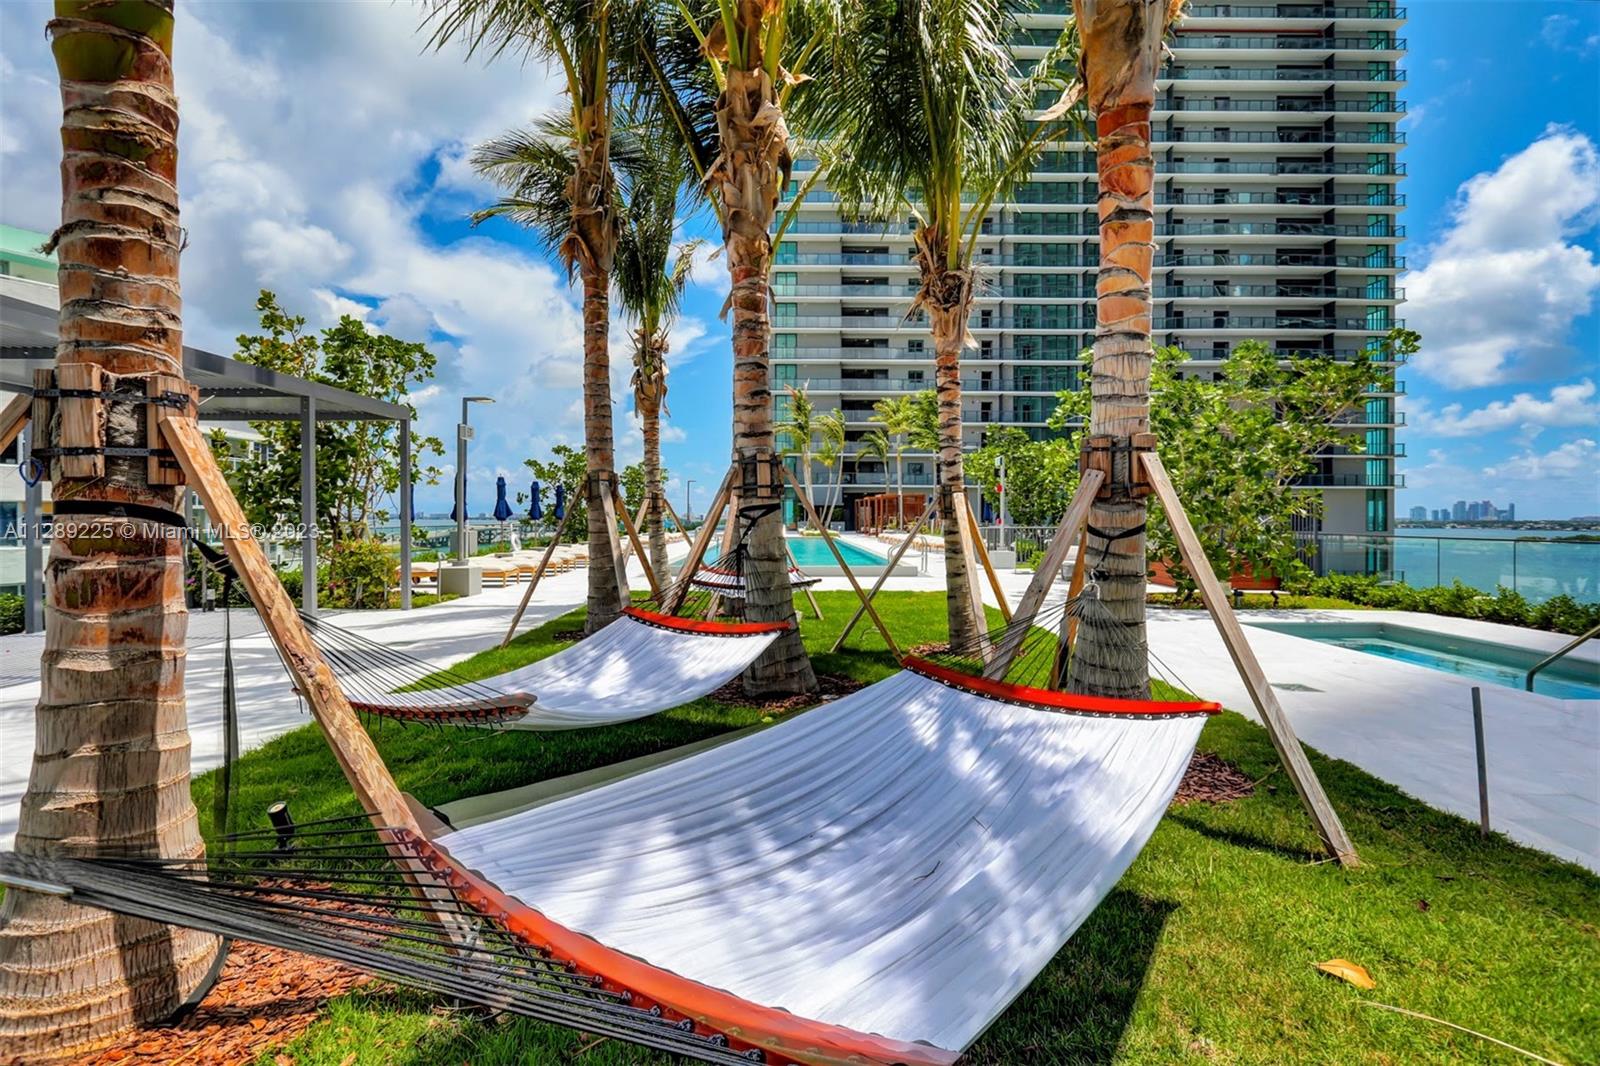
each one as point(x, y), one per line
point(639, 665)
point(878, 877)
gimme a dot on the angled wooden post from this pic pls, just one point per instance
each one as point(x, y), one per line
point(357, 756)
point(697, 550)
point(982, 550)
point(682, 529)
point(608, 508)
point(544, 561)
point(1293, 756)
point(894, 560)
point(1050, 562)
point(633, 540)
point(838, 556)
point(638, 522)
point(14, 418)
point(1069, 621)
point(816, 612)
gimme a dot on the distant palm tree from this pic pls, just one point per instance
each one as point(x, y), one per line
point(830, 453)
point(589, 43)
point(110, 772)
point(895, 415)
point(874, 443)
point(1122, 44)
point(651, 273)
point(800, 427)
point(925, 112)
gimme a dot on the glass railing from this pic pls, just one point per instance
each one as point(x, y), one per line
point(1293, 11)
point(1277, 229)
point(1191, 260)
point(1298, 43)
point(1177, 73)
point(1267, 322)
point(1351, 481)
point(1213, 166)
point(1278, 292)
point(1354, 107)
point(1538, 569)
point(1194, 136)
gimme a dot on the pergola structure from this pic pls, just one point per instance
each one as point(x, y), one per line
point(230, 391)
point(873, 513)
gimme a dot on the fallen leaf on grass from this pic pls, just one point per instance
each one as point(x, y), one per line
point(348, 1060)
point(1422, 905)
point(1345, 970)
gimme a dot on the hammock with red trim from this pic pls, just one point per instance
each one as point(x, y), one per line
point(870, 882)
point(729, 581)
point(642, 663)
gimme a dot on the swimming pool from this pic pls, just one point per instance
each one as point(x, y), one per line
point(1497, 664)
point(812, 556)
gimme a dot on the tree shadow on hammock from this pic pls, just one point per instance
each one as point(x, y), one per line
point(1078, 1009)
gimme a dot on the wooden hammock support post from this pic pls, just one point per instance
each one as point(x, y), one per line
point(894, 560)
point(14, 418)
point(827, 538)
point(357, 756)
point(816, 612)
point(1292, 755)
point(544, 563)
point(638, 523)
point(1069, 622)
point(697, 550)
point(633, 538)
point(608, 508)
point(1050, 563)
point(982, 551)
point(683, 531)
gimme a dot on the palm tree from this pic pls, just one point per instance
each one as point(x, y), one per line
point(895, 416)
point(830, 453)
point(747, 49)
point(874, 443)
point(800, 427)
point(925, 113)
point(650, 289)
point(1122, 44)
point(587, 42)
point(110, 768)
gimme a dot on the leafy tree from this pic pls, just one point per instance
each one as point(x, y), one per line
point(1235, 447)
point(1039, 475)
point(358, 462)
point(566, 466)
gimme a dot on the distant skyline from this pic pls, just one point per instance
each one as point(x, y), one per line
point(362, 208)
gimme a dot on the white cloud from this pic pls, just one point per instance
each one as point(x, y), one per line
point(1574, 460)
point(1499, 293)
point(1565, 34)
point(1566, 405)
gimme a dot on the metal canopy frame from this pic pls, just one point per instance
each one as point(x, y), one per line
point(230, 391)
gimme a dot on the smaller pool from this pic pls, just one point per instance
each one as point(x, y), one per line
point(1497, 664)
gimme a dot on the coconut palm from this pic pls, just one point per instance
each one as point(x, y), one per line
point(724, 71)
point(1122, 45)
point(874, 444)
point(926, 114)
point(651, 272)
point(800, 427)
point(588, 42)
point(895, 415)
point(830, 453)
point(110, 768)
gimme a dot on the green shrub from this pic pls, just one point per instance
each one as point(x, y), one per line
point(10, 613)
point(359, 574)
point(1561, 614)
point(293, 583)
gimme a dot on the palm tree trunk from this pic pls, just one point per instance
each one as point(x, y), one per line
point(750, 172)
point(654, 523)
point(1121, 53)
point(811, 492)
point(900, 485)
point(111, 751)
point(605, 593)
point(947, 296)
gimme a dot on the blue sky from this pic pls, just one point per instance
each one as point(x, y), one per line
point(324, 156)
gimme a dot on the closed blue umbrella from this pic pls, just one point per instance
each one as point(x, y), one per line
point(502, 509)
point(536, 508)
point(561, 502)
point(988, 512)
point(455, 507)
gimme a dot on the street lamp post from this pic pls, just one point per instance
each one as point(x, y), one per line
point(463, 434)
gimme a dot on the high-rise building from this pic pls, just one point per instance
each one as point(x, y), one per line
point(1419, 514)
point(1441, 515)
point(1458, 511)
point(1277, 210)
point(1510, 513)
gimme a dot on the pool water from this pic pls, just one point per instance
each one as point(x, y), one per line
point(1477, 660)
point(1477, 669)
point(810, 553)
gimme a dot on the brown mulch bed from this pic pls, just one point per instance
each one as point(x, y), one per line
point(829, 687)
point(1212, 779)
point(567, 634)
point(265, 998)
point(924, 650)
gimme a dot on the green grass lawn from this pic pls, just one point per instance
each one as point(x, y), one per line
point(1204, 952)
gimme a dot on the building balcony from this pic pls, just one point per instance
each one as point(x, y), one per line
point(1231, 136)
point(1278, 260)
point(902, 385)
point(920, 325)
point(1396, 451)
point(1281, 168)
point(1281, 106)
point(1350, 481)
point(1283, 11)
point(1223, 291)
point(1279, 74)
point(1084, 225)
point(1047, 36)
point(1363, 418)
point(1276, 228)
point(1272, 323)
point(920, 355)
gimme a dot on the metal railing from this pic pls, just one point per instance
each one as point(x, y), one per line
point(1536, 569)
point(1551, 658)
